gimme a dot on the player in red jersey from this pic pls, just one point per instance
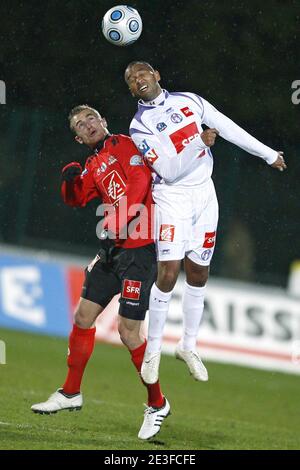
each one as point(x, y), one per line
point(114, 173)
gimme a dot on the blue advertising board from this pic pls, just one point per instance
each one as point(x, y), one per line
point(34, 295)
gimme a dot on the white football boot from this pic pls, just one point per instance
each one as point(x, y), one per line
point(194, 363)
point(153, 419)
point(150, 367)
point(57, 402)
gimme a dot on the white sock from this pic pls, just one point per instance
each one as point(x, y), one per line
point(158, 310)
point(192, 305)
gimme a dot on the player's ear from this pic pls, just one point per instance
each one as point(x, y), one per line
point(104, 122)
point(78, 139)
point(157, 75)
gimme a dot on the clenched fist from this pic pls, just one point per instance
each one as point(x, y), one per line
point(71, 171)
point(279, 164)
point(209, 136)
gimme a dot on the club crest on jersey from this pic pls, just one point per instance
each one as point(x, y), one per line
point(184, 136)
point(166, 233)
point(176, 118)
point(143, 147)
point(161, 126)
point(136, 160)
point(209, 240)
point(206, 255)
point(114, 186)
point(187, 112)
point(131, 289)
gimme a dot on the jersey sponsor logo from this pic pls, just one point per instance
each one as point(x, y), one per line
point(161, 126)
point(114, 186)
point(136, 160)
point(176, 118)
point(151, 156)
point(166, 233)
point(165, 252)
point(184, 136)
point(101, 169)
point(131, 289)
point(209, 240)
point(206, 255)
point(144, 147)
point(112, 159)
point(134, 304)
point(187, 112)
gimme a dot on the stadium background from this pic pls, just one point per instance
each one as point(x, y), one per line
point(242, 57)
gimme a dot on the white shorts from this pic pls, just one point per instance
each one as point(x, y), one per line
point(186, 222)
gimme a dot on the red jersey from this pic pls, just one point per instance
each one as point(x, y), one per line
point(118, 176)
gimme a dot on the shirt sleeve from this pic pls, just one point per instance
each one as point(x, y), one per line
point(167, 164)
point(80, 191)
point(230, 131)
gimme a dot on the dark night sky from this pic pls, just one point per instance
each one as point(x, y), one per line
point(242, 57)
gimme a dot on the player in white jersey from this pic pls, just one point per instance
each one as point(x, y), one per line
point(167, 129)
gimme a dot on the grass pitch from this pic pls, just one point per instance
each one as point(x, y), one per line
point(238, 408)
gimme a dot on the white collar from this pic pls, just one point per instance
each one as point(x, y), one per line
point(157, 101)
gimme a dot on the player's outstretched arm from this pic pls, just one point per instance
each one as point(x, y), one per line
point(230, 131)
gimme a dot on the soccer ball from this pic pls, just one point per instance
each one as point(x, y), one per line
point(122, 25)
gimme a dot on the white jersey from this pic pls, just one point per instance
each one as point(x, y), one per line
point(167, 131)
